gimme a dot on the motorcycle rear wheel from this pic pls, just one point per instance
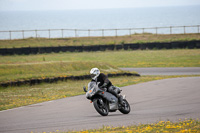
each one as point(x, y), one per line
point(125, 108)
point(100, 106)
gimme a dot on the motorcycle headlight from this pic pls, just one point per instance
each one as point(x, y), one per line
point(90, 93)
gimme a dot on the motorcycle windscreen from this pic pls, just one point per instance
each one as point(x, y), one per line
point(91, 85)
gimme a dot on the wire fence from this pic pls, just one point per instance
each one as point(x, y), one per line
point(64, 33)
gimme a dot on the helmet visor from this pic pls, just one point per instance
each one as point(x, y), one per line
point(93, 76)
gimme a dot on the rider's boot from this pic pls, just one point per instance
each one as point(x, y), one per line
point(120, 98)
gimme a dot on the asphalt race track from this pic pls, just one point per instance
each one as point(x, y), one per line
point(166, 70)
point(168, 99)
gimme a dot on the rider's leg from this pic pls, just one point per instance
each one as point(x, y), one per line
point(112, 89)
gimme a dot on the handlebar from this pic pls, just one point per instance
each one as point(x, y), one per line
point(84, 88)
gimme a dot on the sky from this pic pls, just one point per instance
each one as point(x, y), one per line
point(13, 5)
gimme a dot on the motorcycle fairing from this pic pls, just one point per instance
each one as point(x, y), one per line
point(113, 101)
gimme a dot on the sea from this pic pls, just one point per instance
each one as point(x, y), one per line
point(99, 22)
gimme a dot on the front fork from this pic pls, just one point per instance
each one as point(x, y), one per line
point(101, 101)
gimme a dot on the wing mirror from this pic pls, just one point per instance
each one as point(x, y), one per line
point(84, 88)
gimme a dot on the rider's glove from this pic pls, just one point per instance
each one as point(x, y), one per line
point(104, 85)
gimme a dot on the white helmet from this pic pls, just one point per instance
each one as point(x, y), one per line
point(94, 72)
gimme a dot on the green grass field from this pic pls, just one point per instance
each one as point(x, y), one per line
point(12, 72)
point(138, 58)
point(135, 38)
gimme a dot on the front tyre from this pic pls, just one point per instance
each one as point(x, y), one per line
point(100, 106)
point(125, 108)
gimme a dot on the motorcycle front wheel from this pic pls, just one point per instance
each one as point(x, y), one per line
point(100, 106)
point(125, 108)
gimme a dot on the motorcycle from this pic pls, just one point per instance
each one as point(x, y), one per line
point(105, 102)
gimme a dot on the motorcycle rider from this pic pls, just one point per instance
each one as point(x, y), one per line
point(105, 83)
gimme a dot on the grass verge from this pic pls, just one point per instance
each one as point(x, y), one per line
point(12, 97)
point(12, 72)
point(135, 38)
point(139, 58)
point(182, 126)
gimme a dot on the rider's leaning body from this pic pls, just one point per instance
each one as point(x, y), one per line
point(105, 83)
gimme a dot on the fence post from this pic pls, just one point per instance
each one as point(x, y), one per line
point(143, 30)
point(88, 32)
point(23, 33)
point(102, 32)
point(170, 29)
point(62, 32)
point(130, 32)
point(49, 34)
point(75, 33)
point(184, 29)
point(116, 32)
point(10, 35)
point(198, 28)
point(156, 30)
point(36, 33)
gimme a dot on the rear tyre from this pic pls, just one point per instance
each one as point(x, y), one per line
point(125, 108)
point(100, 106)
